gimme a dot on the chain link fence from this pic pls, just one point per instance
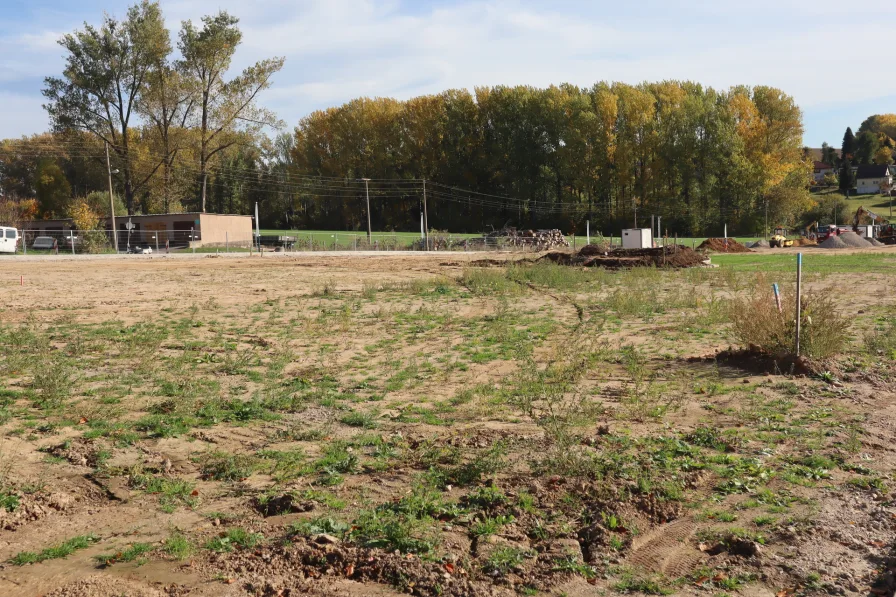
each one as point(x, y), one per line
point(49, 241)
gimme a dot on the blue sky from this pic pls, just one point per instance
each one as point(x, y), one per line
point(824, 53)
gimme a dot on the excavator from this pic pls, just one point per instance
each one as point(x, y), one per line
point(885, 231)
point(810, 231)
point(887, 234)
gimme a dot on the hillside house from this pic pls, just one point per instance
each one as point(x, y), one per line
point(821, 170)
point(871, 178)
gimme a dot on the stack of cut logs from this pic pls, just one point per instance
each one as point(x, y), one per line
point(540, 240)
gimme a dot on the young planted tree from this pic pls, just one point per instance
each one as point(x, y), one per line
point(226, 110)
point(106, 70)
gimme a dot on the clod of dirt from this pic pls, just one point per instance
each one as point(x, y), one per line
point(594, 249)
point(78, 452)
point(833, 242)
point(738, 546)
point(723, 245)
point(98, 586)
point(325, 539)
point(876, 243)
point(35, 507)
point(754, 360)
point(283, 504)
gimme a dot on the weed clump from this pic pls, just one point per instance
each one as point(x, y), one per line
point(758, 324)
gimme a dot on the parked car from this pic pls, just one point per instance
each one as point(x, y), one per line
point(43, 243)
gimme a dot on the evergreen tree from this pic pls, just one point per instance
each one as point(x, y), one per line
point(846, 177)
point(848, 150)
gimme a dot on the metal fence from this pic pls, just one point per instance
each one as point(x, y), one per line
point(101, 241)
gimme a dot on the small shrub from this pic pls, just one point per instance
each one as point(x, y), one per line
point(758, 323)
point(129, 554)
point(489, 282)
point(355, 418)
point(178, 546)
point(505, 559)
point(220, 466)
point(234, 538)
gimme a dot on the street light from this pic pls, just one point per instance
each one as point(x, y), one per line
point(367, 188)
point(111, 200)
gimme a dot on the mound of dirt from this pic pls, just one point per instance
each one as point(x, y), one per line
point(833, 242)
point(759, 244)
point(875, 243)
point(594, 249)
point(805, 242)
point(723, 245)
point(670, 256)
point(851, 239)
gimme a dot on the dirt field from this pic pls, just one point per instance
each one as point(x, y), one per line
point(387, 425)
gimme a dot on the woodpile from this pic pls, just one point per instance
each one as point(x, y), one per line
point(539, 240)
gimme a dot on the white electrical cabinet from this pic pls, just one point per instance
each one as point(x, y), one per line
point(637, 238)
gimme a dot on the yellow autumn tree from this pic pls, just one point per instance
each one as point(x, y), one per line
point(87, 222)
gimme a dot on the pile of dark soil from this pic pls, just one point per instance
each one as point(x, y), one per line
point(759, 244)
point(670, 256)
point(723, 245)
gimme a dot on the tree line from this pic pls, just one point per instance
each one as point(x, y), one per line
point(874, 144)
point(183, 134)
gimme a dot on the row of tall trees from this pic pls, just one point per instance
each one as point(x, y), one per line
point(123, 87)
point(185, 134)
point(698, 157)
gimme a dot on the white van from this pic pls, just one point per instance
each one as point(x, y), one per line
point(9, 239)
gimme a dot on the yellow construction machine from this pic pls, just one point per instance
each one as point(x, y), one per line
point(779, 239)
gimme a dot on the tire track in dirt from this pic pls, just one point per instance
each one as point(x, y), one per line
point(666, 550)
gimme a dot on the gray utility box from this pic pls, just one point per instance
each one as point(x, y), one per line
point(637, 238)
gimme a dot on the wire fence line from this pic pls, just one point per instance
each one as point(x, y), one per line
point(59, 241)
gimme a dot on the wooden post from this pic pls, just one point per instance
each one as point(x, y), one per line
point(425, 216)
point(799, 280)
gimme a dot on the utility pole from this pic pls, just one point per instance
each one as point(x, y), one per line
point(111, 200)
point(652, 229)
point(425, 216)
point(367, 188)
point(635, 206)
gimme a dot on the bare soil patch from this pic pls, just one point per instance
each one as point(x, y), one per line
point(376, 426)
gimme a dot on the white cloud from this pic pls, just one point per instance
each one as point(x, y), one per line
point(21, 115)
point(340, 49)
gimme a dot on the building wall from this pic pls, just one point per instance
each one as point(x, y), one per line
point(209, 229)
point(217, 230)
point(865, 186)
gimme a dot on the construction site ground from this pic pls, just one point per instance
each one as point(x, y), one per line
point(370, 424)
